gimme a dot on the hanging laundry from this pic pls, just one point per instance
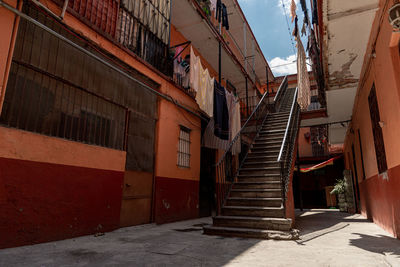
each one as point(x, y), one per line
point(218, 13)
point(213, 5)
point(234, 120)
point(296, 28)
point(211, 141)
point(315, 12)
point(225, 22)
point(314, 53)
point(178, 53)
point(303, 80)
point(195, 64)
point(221, 113)
point(293, 9)
point(205, 93)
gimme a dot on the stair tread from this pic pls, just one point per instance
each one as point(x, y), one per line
point(256, 169)
point(268, 182)
point(283, 220)
point(254, 198)
point(259, 175)
point(256, 190)
point(253, 208)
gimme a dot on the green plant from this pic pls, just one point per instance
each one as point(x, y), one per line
point(340, 186)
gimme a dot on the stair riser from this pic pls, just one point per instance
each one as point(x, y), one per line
point(259, 179)
point(257, 186)
point(254, 203)
point(276, 194)
point(253, 164)
point(253, 213)
point(278, 139)
point(265, 225)
point(255, 159)
point(261, 172)
point(264, 148)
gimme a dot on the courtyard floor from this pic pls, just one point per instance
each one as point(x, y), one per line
point(328, 238)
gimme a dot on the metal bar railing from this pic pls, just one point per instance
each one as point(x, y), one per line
point(227, 168)
point(281, 92)
point(286, 153)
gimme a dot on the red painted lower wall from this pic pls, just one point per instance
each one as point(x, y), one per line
point(380, 200)
point(42, 202)
point(176, 199)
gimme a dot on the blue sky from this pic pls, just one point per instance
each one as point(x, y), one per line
point(268, 22)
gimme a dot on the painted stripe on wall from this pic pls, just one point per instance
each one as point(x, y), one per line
point(22, 145)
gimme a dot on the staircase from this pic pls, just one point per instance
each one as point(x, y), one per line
point(254, 205)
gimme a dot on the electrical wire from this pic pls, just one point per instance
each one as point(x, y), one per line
point(287, 23)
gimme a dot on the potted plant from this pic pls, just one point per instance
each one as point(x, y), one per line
point(340, 190)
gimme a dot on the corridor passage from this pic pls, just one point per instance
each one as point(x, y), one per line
point(328, 238)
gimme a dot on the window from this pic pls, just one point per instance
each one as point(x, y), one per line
point(184, 148)
point(377, 131)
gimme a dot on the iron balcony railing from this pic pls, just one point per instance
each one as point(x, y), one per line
point(286, 153)
point(246, 110)
point(141, 26)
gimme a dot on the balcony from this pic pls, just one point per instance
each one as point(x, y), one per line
point(140, 26)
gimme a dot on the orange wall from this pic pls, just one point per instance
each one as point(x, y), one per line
point(305, 149)
point(383, 70)
point(22, 145)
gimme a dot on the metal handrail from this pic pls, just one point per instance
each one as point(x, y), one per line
point(244, 126)
point(280, 90)
point(288, 125)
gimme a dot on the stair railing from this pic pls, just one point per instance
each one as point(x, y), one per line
point(286, 153)
point(281, 93)
point(227, 168)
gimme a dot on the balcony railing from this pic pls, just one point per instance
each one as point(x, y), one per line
point(142, 26)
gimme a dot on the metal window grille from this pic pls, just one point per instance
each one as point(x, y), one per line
point(144, 28)
point(184, 148)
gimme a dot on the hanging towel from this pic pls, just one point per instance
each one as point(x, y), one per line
point(221, 113)
point(304, 95)
point(194, 70)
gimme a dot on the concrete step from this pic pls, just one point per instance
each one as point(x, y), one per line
point(272, 120)
point(257, 202)
point(272, 212)
point(270, 138)
point(261, 163)
point(266, 147)
point(276, 131)
point(270, 178)
point(254, 193)
point(261, 170)
point(251, 233)
point(267, 143)
point(257, 158)
point(261, 153)
point(253, 222)
point(257, 185)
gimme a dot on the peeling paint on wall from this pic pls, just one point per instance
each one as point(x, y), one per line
point(344, 78)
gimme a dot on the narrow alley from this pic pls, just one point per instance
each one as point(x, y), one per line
point(328, 238)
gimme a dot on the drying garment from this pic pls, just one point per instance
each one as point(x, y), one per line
point(303, 80)
point(213, 5)
point(315, 13)
point(314, 53)
point(195, 64)
point(225, 22)
point(221, 113)
point(234, 121)
point(178, 53)
point(211, 141)
point(293, 8)
point(218, 13)
point(205, 93)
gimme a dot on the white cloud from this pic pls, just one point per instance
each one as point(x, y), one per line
point(285, 66)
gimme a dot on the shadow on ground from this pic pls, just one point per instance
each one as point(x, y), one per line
point(377, 244)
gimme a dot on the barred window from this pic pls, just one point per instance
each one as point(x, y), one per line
point(184, 148)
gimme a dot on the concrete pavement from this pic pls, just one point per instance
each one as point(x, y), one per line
point(328, 238)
